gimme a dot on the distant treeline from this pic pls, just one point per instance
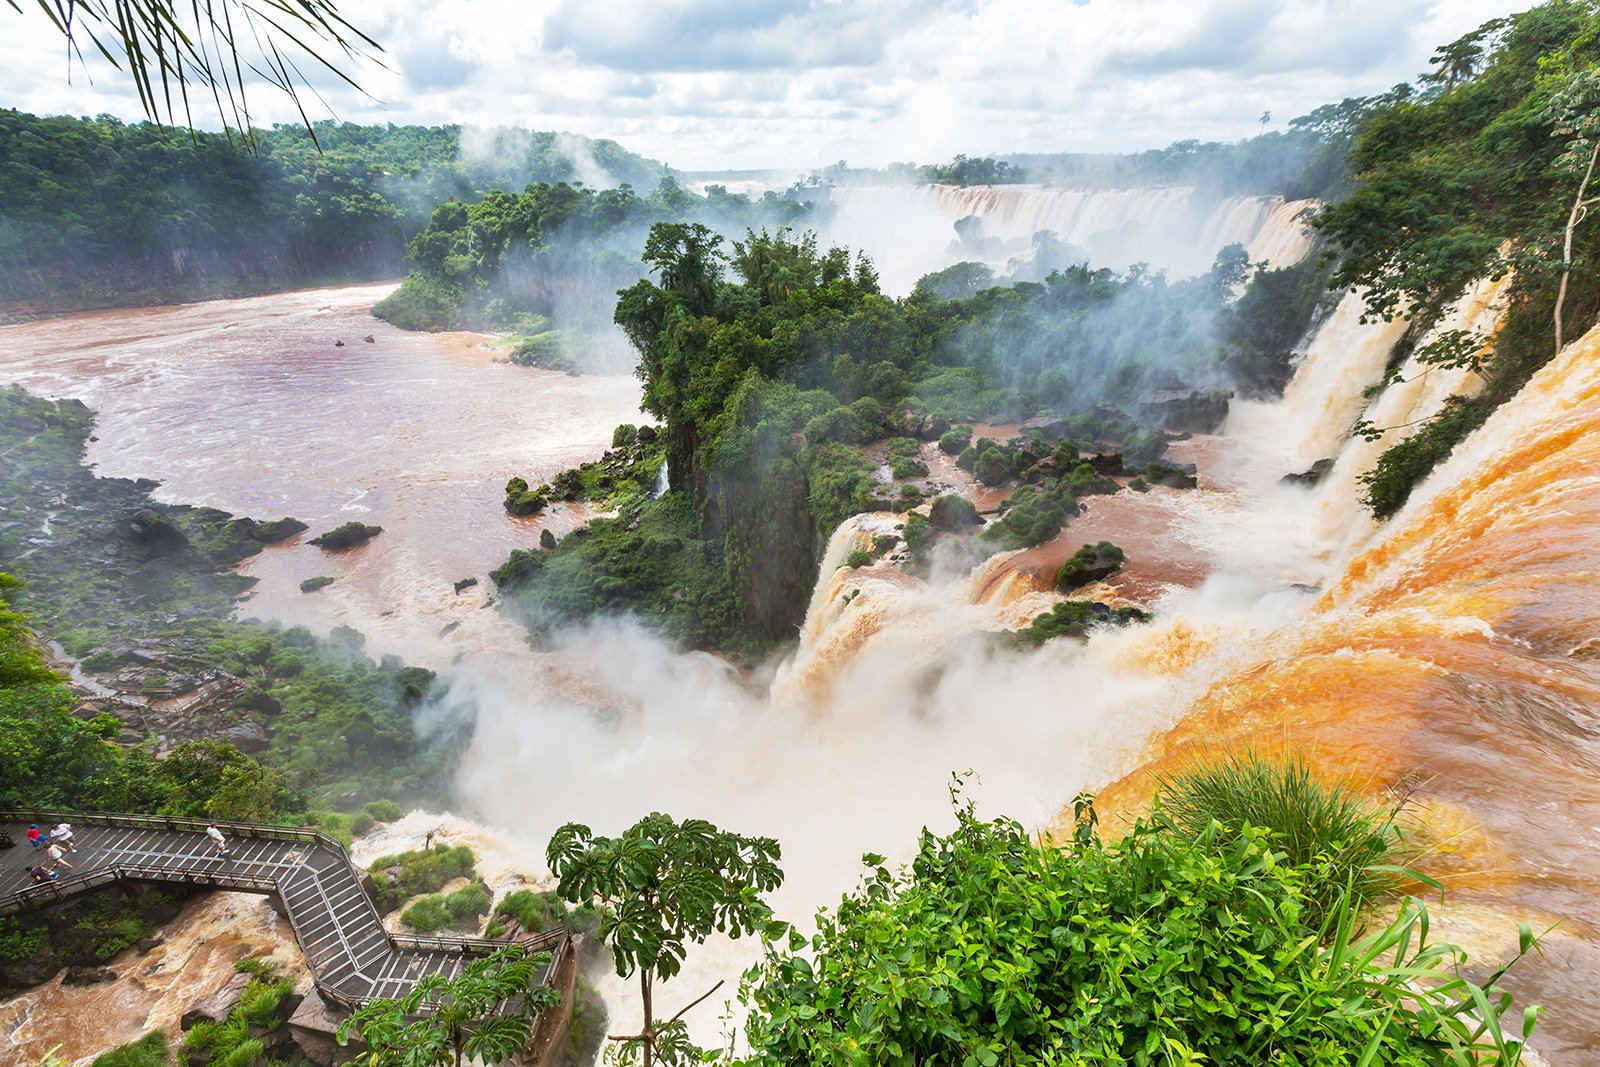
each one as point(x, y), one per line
point(553, 256)
point(96, 211)
point(1306, 161)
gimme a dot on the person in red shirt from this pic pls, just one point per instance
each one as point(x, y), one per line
point(35, 838)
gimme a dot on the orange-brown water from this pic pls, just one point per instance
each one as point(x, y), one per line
point(1456, 656)
point(1456, 652)
point(152, 991)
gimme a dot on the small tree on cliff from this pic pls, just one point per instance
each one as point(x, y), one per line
point(485, 1014)
point(1574, 113)
point(659, 886)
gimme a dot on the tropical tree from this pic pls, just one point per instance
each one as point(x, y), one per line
point(485, 1014)
point(660, 886)
point(167, 47)
point(1574, 112)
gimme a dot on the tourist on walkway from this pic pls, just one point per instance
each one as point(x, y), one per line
point(40, 874)
point(35, 838)
point(62, 835)
point(218, 840)
point(58, 857)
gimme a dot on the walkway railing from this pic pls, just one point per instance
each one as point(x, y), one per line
point(202, 871)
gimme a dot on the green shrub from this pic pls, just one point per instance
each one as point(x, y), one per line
point(952, 512)
point(842, 424)
point(468, 902)
point(347, 536)
point(952, 442)
point(909, 467)
point(532, 911)
point(397, 879)
point(384, 810)
point(1326, 828)
point(261, 1000)
point(149, 1051)
point(858, 558)
point(1160, 948)
point(993, 466)
point(361, 823)
point(1401, 468)
point(902, 447)
point(218, 1037)
point(336, 824)
point(20, 939)
point(1091, 563)
point(918, 532)
point(247, 1053)
point(1033, 515)
point(427, 915)
point(1075, 618)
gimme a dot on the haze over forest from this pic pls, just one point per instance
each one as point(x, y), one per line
point(1051, 534)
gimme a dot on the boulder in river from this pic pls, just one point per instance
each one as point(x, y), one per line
point(88, 976)
point(349, 535)
point(155, 534)
point(1310, 476)
point(214, 1007)
point(1187, 412)
point(1091, 563)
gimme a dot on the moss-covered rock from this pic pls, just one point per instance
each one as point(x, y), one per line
point(1091, 563)
point(349, 535)
point(311, 585)
point(1074, 618)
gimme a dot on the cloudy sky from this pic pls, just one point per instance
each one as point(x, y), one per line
point(796, 83)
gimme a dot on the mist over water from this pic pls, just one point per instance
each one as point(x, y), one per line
point(911, 230)
point(846, 747)
point(249, 406)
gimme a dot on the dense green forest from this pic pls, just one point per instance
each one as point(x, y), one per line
point(1307, 160)
point(774, 365)
point(547, 263)
point(1476, 173)
point(96, 211)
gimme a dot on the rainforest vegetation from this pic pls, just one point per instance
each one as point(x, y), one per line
point(1228, 927)
point(775, 366)
point(285, 724)
point(1474, 174)
point(97, 211)
point(546, 264)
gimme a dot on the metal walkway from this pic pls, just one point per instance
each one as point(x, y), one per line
point(352, 958)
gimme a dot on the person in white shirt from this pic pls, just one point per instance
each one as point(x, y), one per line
point(218, 840)
point(58, 856)
point(62, 835)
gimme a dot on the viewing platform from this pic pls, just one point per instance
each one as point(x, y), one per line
point(308, 876)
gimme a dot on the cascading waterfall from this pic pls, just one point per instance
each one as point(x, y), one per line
point(1455, 649)
point(1417, 395)
point(909, 229)
point(1453, 657)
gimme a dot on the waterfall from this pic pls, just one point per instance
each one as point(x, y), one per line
point(909, 230)
point(1453, 657)
point(1418, 393)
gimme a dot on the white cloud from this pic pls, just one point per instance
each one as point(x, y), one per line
point(726, 83)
